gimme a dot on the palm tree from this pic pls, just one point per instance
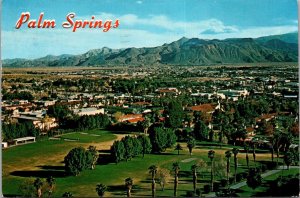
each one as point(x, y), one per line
point(153, 170)
point(178, 148)
point(191, 144)
point(51, 182)
point(211, 155)
point(94, 152)
point(228, 156)
point(253, 153)
point(100, 189)
point(235, 151)
point(176, 169)
point(38, 183)
point(246, 148)
point(67, 194)
point(128, 185)
point(194, 169)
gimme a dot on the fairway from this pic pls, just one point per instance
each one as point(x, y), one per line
point(45, 158)
point(35, 159)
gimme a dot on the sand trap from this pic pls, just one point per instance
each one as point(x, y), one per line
point(188, 160)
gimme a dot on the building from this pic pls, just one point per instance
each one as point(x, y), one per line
point(88, 111)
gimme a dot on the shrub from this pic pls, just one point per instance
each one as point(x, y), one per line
point(216, 186)
point(190, 194)
point(271, 165)
point(207, 189)
point(263, 168)
point(224, 182)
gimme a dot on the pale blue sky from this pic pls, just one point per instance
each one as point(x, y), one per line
point(143, 23)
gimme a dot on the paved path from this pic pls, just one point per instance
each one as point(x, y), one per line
point(241, 184)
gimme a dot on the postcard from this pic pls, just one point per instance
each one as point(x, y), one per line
point(149, 98)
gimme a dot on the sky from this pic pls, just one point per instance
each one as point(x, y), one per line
point(143, 23)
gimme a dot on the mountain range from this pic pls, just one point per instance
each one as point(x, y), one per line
point(194, 51)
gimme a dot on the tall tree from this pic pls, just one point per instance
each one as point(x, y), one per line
point(75, 161)
point(176, 169)
point(146, 124)
point(163, 177)
point(194, 169)
point(178, 148)
point(94, 154)
point(211, 155)
point(191, 143)
point(118, 151)
point(100, 189)
point(235, 152)
point(228, 156)
point(254, 178)
point(200, 130)
point(38, 184)
point(288, 158)
point(153, 170)
point(145, 143)
point(162, 138)
point(175, 114)
point(128, 185)
point(246, 148)
point(51, 183)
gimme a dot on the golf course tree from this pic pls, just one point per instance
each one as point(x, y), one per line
point(163, 176)
point(254, 178)
point(228, 156)
point(146, 124)
point(117, 151)
point(128, 186)
point(176, 168)
point(93, 156)
point(101, 189)
point(51, 184)
point(38, 184)
point(145, 143)
point(235, 152)
point(129, 147)
point(67, 194)
point(153, 170)
point(77, 160)
point(246, 148)
point(178, 147)
point(161, 139)
point(194, 169)
point(191, 143)
point(288, 158)
point(211, 155)
point(253, 152)
point(201, 130)
point(174, 114)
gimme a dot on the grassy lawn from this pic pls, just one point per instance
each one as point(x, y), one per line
point(32, 160)
point(45, 158)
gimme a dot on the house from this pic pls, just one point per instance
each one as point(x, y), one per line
point(131, 118)
point(204, 108)
point(38, 118)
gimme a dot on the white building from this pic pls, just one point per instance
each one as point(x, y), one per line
point(88, 111)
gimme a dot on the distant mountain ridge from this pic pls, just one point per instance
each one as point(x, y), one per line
point(194, 51)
